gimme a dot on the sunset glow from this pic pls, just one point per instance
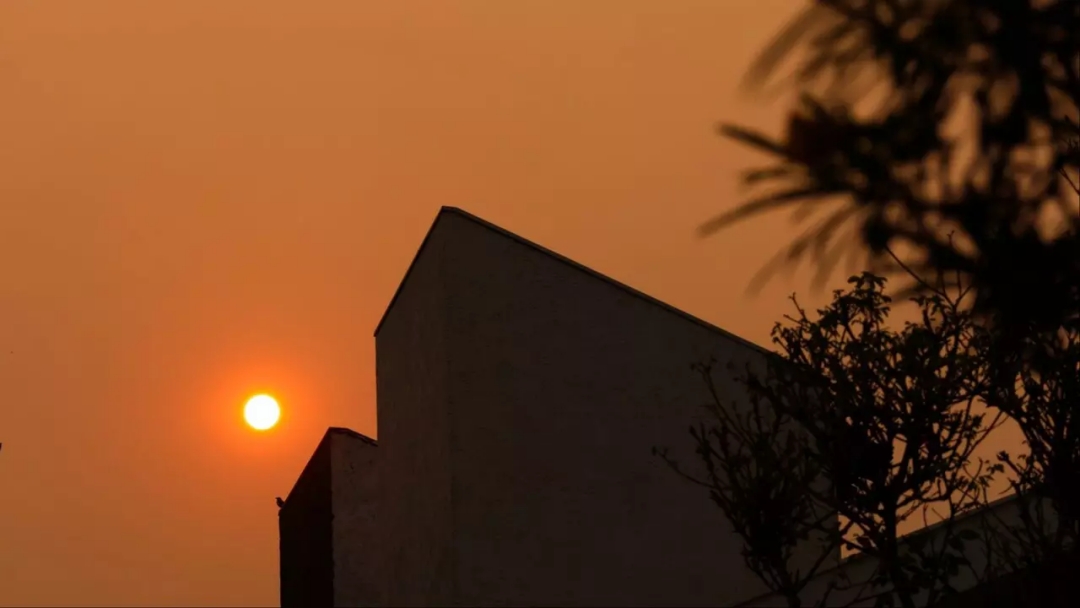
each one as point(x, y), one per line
point(262, 412)
point(211, 202)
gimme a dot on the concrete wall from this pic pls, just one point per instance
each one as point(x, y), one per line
point(329, 537)
point(415, 511)
point(357, 544)
point(519, 398)
point(305, 536)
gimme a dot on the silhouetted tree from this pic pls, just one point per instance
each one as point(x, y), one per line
point(853, 430)
point(1039, 391)
point(920, 118)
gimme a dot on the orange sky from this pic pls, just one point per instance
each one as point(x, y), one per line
point(203, 199)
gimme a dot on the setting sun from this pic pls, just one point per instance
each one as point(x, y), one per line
point(262, 412)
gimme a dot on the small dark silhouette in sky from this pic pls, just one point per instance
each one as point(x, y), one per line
point(280, 503)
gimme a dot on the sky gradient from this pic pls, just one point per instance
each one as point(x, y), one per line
point(205, 199)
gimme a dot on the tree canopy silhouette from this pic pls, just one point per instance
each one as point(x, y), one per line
point(920, 119)
point(853, 430)
point(856, 427)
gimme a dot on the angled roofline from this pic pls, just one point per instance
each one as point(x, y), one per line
point(351, 433)
point(334, 430)
point(444, 211)
point(412, 265)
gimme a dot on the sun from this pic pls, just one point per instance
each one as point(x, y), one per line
point(262, 412)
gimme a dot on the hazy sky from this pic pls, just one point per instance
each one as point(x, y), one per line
point(202, 199)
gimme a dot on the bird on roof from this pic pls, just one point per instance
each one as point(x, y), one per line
point(280, 503)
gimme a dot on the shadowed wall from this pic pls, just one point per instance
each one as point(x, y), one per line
point(305, 532)
point(329, 552)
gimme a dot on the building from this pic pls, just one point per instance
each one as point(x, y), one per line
point(520, 395)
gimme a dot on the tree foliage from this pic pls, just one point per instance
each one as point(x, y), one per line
point(1039, 391)
point(975, 133)
point(943, 136)
point(854, 430)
